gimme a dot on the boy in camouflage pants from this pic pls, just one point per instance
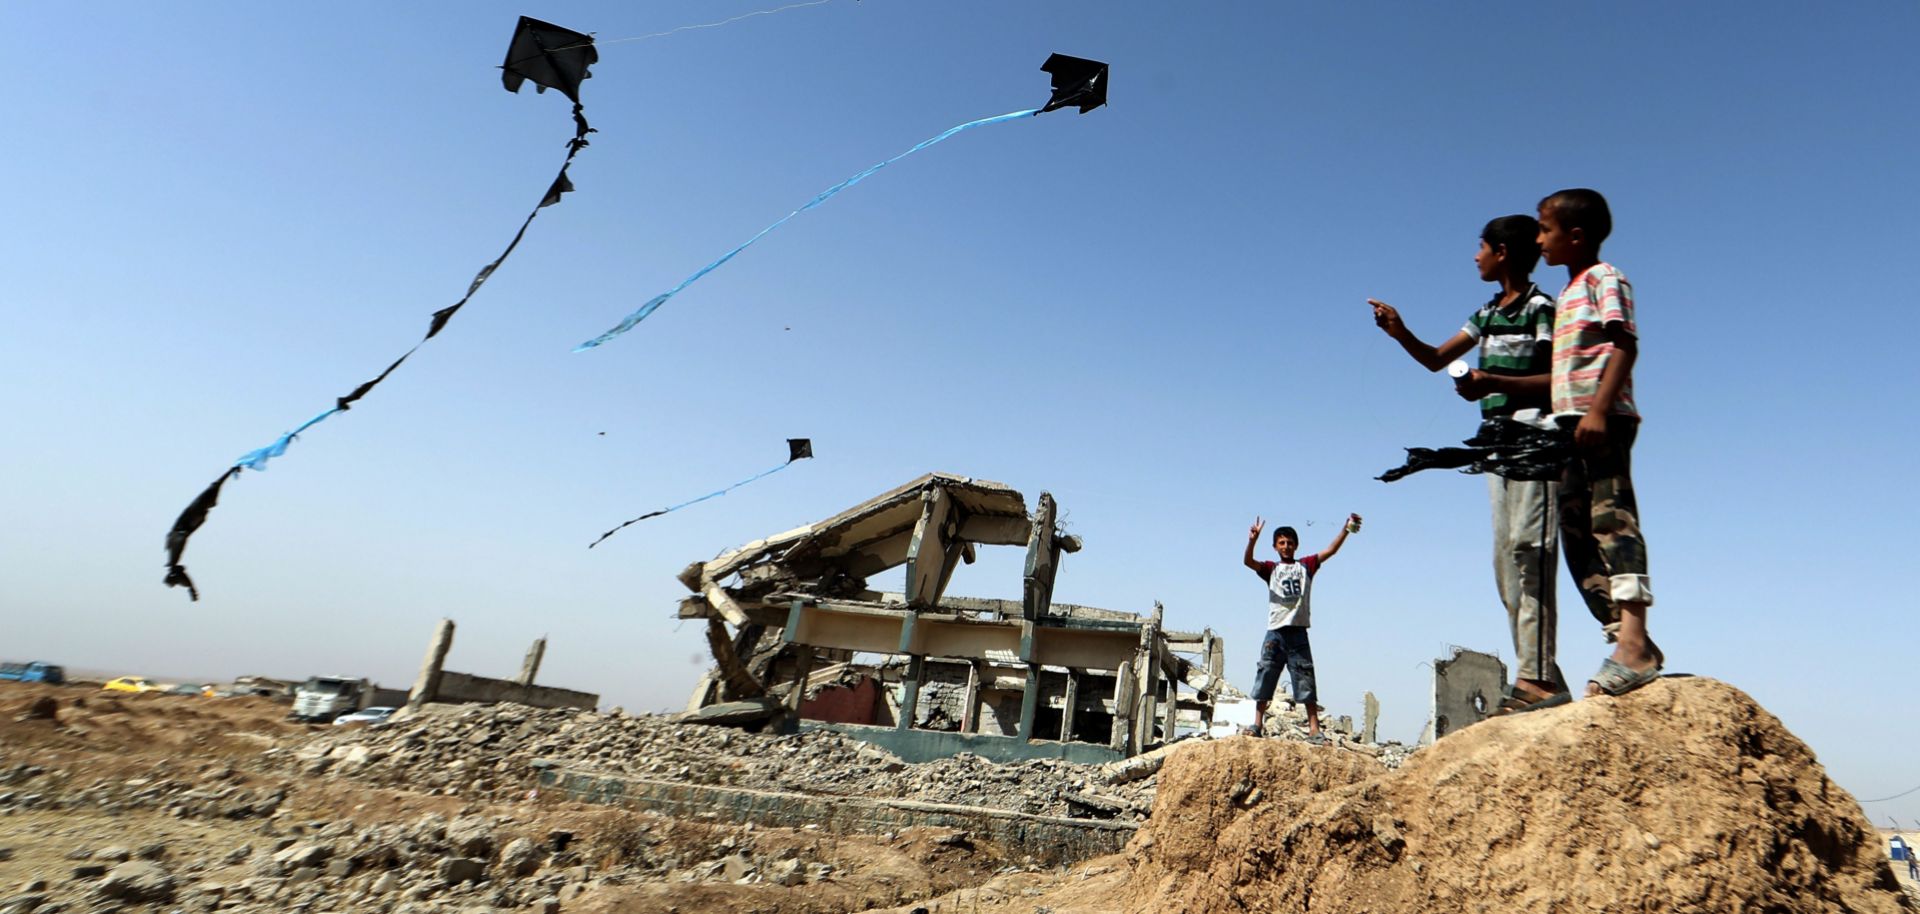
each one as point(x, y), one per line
point(1595, 345)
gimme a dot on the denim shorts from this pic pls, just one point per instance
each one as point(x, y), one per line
point(1286, 647)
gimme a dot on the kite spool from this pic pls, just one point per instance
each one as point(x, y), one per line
point(1459, 369)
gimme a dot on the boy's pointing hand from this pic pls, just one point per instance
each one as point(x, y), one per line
point(1386, 318)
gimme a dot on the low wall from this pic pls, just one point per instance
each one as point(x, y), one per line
point(466, 687)
point(928, 745)
point(1049, 840)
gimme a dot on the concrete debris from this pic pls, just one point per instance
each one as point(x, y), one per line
point(435, 751)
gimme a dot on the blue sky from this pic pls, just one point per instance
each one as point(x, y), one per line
point(226, 215)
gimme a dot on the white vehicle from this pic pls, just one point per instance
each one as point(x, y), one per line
point(323, 698)
point(372, 717)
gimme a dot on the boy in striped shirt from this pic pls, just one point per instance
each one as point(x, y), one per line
point(1595, 346)
point(1514, 332)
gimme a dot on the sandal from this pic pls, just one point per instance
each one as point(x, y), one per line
point(1519, 703)
point(1618, 679)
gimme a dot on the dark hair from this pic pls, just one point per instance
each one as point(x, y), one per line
point(1288, 532)
point(1520, 235)
point(1583, 209)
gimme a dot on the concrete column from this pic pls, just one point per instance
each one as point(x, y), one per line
point(970, 711)
point(802, 668)
point(910, 692)
point(1124, 685)
point(1371, 719)
point(530, 667)
point(1172, 710)
point(1030, 701)
point(427, 686)
point(1067, 709)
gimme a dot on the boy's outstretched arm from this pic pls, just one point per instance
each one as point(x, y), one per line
point(1339, 539)
point(1477, 384)
point(1429, 357)
point(1253, 536)
point(1592, 430)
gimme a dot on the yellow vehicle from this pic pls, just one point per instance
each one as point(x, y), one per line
point(131, 684)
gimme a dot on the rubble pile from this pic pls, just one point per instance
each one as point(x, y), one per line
point(207, 791)
point(486, 752)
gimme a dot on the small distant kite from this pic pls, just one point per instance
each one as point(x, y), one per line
point(1505, 447)
point(552, 58)
point(1077, 82)
point(797, 449)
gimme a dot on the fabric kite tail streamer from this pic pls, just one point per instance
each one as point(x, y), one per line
point(183, 527)
point(797, 449)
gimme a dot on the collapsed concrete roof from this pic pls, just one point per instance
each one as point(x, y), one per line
point(931, 524)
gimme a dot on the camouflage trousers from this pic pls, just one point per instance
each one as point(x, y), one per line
point(1600, 526)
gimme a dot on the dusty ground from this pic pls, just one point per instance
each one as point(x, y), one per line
point(188, 784)
point(1685, 796)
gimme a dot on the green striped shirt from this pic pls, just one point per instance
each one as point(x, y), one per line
point(1514, 341)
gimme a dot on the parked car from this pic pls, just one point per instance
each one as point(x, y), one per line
point(37, 671)
point(131, 684)
point(189, 688)
point(369, 716)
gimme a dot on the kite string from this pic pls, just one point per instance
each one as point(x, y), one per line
point(1894, 797)
point(715, 25)
point(637, 316)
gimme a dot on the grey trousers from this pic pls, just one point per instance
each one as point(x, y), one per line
point(1525, 561)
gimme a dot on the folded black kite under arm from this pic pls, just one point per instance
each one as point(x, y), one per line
point(553, 58)
point(1504, 447)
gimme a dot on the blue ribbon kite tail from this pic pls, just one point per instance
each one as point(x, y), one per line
point(636, 317)
point(695, 501)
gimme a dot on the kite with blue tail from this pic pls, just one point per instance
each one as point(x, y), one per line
point(797, 449)
point(1076, 82)
point(551, 57)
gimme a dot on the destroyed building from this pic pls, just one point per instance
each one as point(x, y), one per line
point(798, 632)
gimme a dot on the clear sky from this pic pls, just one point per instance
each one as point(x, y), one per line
point(223, 216)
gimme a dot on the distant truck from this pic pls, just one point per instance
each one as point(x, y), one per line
point(36, 671)
point(323, 698)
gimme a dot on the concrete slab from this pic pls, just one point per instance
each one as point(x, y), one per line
point(1049, 839)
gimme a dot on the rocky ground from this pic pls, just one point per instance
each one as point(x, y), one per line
point(124, 802)
point(1685, 796)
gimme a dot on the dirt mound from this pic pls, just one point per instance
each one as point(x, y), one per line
point(1684, 796)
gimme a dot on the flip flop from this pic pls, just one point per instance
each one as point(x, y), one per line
point(1618, 679)
point(1516, 703)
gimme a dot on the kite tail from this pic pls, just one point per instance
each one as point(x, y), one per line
point(694, 501)
point(195, 514)
point(652, 305)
